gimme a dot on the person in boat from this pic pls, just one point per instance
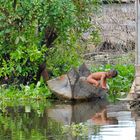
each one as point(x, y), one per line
point(99, 78)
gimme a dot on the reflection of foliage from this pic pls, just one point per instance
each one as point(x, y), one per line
point(76, 129)
point(18, 129)
point(17, 123)
point(81, 129)
point(29, 120)
point(37, 105)
point(54, 130)
point(122, 83)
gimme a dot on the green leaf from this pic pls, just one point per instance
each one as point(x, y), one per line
point(22, 38)
point(17, 40)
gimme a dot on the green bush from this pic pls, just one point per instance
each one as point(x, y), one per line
point(120, 84)
point(26, 92)
point(23, 24)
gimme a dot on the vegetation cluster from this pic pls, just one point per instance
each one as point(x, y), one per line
point(38, 35)
point(29, 28)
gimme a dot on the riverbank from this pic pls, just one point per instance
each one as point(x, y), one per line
point(116, 25)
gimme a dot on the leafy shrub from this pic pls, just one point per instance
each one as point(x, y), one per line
point(23, 25)
point(120, 84)
point(26, 92)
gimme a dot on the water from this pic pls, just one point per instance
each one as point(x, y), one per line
point(124, 130)
point(45, 120)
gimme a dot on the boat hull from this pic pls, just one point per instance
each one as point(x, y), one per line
point(73, 85)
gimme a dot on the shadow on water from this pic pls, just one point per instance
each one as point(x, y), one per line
point(96, 120)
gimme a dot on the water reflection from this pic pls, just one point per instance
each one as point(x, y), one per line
point(123, 130)
point(88, 120)
point(76, 113)
point(101, 118)
point(105, 122)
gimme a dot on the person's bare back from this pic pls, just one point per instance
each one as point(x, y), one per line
point(98, 75)
point(99, 78)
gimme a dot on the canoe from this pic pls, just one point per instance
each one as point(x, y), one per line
point(73, 85)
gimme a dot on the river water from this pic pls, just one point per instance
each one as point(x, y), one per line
point(57, 120)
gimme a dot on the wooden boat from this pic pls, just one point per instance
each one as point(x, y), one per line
point(73, 85)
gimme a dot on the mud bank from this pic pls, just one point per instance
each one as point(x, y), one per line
point(117, 31)
point(116, 22)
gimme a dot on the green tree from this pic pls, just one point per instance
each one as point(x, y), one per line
point(30, 27)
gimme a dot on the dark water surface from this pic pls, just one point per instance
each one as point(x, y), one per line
point(45, 120)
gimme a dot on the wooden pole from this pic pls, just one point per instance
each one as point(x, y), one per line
point(137, 52)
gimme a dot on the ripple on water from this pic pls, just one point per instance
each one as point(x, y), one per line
point(124, 130)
